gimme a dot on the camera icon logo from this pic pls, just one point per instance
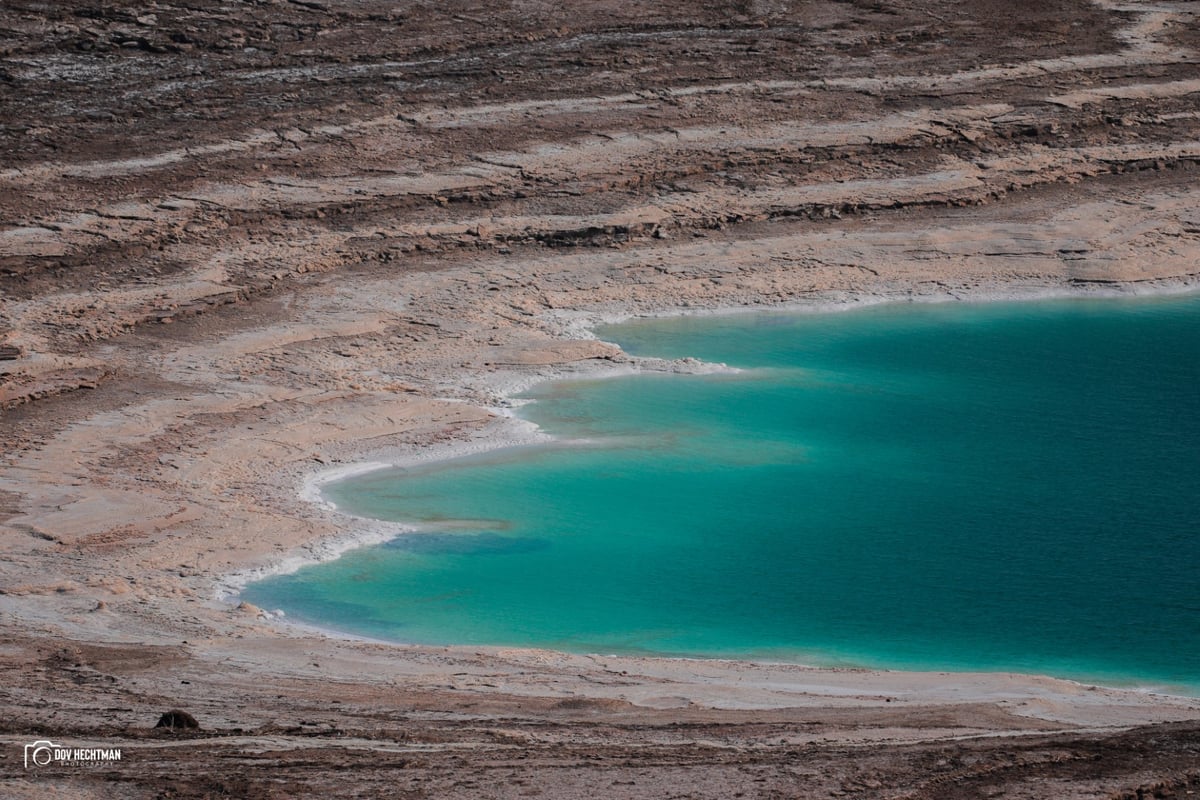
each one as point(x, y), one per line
point(40, 753)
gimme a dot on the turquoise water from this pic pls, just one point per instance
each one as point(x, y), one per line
point(953, 486)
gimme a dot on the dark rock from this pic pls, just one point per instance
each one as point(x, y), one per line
point(178, 720)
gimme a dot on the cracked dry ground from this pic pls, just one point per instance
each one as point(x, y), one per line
point(186, 191)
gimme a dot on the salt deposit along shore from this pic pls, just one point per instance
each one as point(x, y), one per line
point(239, 249)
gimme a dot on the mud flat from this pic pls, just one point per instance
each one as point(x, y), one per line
point(239, 246)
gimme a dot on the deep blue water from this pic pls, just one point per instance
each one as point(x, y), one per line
point(953, 486)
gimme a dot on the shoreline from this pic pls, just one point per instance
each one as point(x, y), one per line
point(883, 680)
point(508, 431)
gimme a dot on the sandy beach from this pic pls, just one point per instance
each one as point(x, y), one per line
point(246, 251)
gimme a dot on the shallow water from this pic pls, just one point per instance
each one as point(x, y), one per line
point(953, 486)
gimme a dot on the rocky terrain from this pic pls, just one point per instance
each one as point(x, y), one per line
point(243, 242)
